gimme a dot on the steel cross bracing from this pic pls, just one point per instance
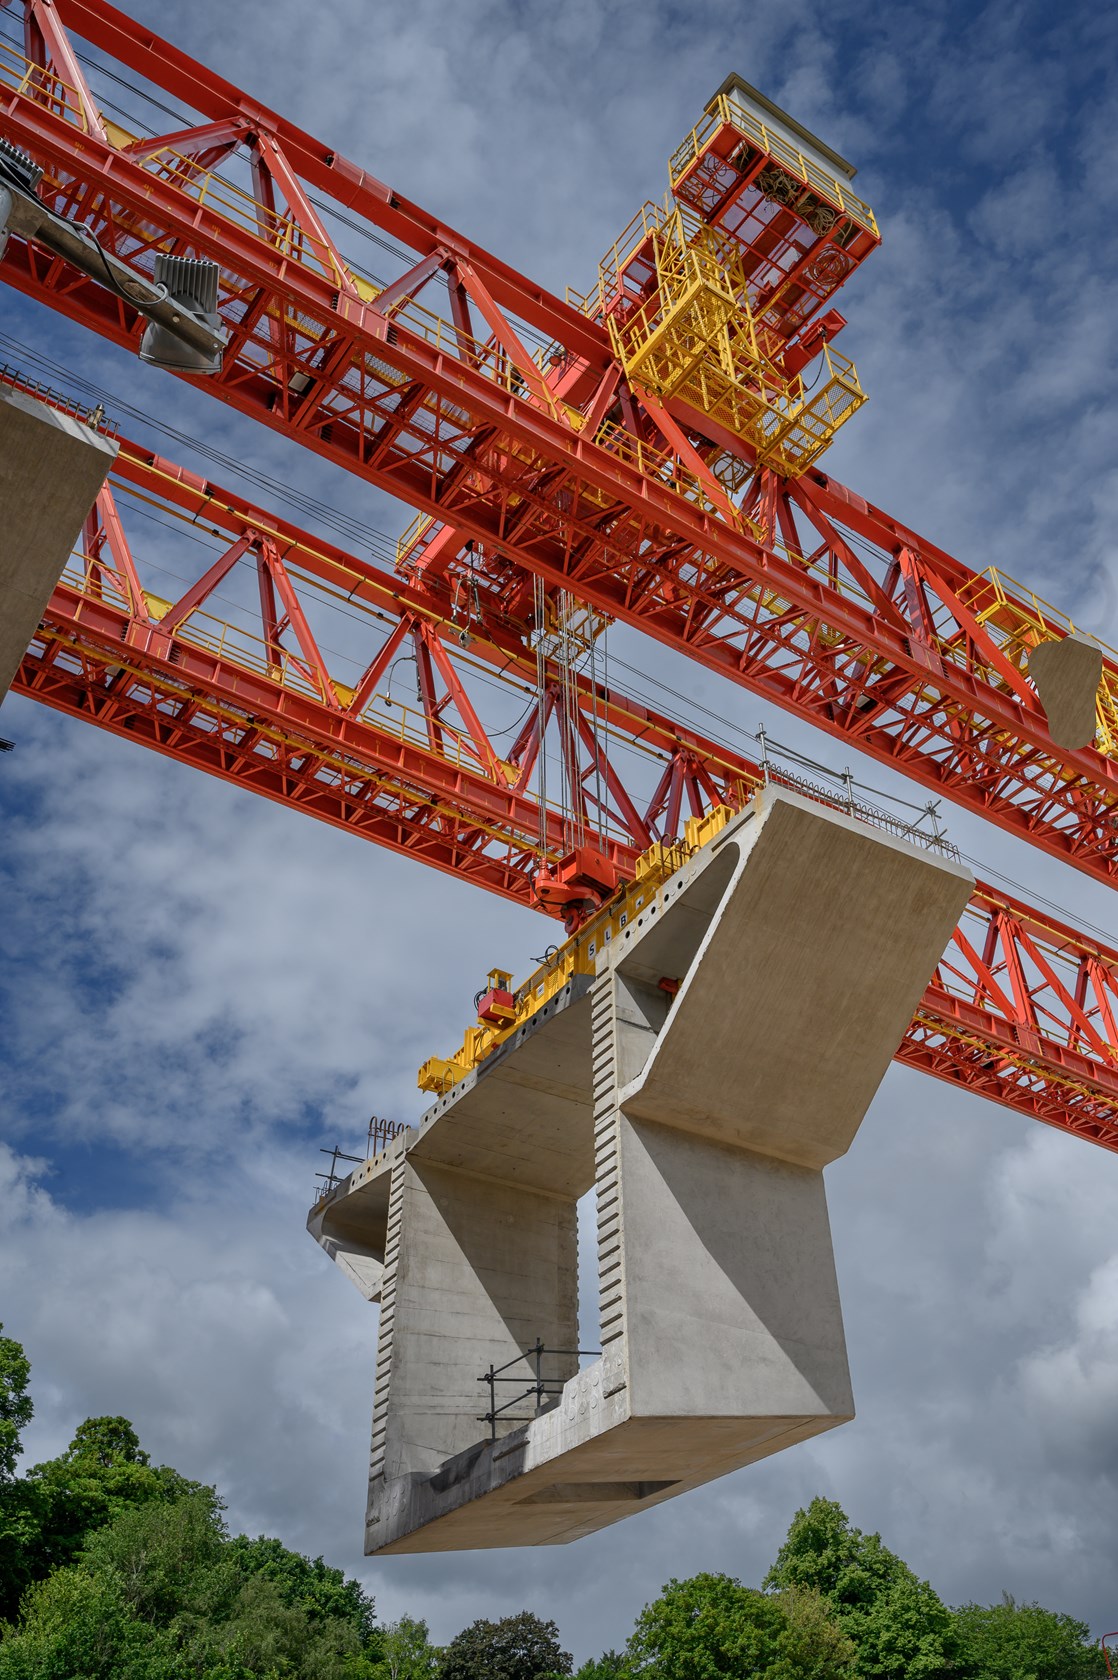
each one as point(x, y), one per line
point(1022, 1009)
point(551, 465)
point(804, 593)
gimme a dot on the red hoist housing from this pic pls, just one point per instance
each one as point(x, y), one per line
point(577, 885)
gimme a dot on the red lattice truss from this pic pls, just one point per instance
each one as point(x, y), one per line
point(1022, 1009)
point(549, 466)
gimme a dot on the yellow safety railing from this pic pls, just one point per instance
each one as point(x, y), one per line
point(234, 204)
point(1019, 620)
point(727, 110)
point(236, 645)
point(412, 538)
point(43, 86)
point(389, 716)
point(694, 335)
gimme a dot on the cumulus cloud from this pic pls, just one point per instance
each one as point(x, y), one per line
point(203, 989)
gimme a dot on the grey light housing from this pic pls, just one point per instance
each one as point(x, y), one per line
point(19, 171)
point(192, 286)
point(184, 331)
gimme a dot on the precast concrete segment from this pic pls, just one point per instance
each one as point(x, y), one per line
point(794, 946)
point(51, 468)
point(1066, 675)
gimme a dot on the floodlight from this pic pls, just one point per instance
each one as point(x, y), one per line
point(184, 330)
point(191, 286)
point(17, 171)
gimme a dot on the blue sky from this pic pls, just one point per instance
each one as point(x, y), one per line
point(201, 989)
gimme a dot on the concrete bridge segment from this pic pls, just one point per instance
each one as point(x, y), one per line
point(802, 941)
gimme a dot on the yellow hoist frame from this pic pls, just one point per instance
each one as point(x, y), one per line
point(577, 955)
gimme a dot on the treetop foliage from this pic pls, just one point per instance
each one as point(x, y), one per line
point(996, 1641)
point(517, 1648)
point(900, 1628)
point(16, 1410)
point(112, 1568)
point(711, 1626)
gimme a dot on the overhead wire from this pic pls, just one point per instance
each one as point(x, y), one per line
point(378, 541)
point(328, 206)
point(643, 678)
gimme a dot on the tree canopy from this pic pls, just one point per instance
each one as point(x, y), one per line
point(16, 1410)
point(407, 1652)
point(122, 1569)
point(711, 1626)
point(159, 1593)
point(517, 1648)
point(900, 1627)
point(112, 1568)
point(1010, 1641)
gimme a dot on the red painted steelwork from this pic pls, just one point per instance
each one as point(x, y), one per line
point(1022, 1009)
point(470, 431)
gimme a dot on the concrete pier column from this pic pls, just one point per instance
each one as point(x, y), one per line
point(731, 1300)
point(481, 1271)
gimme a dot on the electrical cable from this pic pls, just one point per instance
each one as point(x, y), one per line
point(184, 121)
point(376, 539)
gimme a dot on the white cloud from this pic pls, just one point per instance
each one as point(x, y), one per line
point(204, 987)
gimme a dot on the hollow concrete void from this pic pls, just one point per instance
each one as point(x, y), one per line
point(801, 941)
point(51, 468)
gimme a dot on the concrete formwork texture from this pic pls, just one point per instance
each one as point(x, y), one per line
point(801, 941)
point(1066, 674)
point(51, 468)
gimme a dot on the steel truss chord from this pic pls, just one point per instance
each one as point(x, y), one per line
point(1022, 1009)
point(553, 464)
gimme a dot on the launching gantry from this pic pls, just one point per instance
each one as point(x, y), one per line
point(712, 1031)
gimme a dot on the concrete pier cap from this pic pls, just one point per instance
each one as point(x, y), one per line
point(795, 946)
point(51, 468)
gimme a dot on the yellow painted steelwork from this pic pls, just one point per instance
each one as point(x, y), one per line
point(695, 337)
point(1021, 620)
point(577, 955)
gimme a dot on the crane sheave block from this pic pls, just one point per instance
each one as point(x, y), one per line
point(51, 468)
point(724, 1051)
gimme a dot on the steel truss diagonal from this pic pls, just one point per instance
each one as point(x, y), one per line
point(503, 413)
point(236, 675)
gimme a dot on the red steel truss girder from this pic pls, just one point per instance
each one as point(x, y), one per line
point(67, 673)
point(154, 59)
point(520, 479)
point(1022, 1009)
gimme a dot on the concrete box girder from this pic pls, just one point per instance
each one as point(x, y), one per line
point(51, 468)
point(801, 941)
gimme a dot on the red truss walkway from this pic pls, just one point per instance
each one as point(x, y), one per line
point(903, 650)
point(1022, 1009)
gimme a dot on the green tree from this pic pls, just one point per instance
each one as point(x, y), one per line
point(815, 1644)
point(711, 1626)
point(19, 1513)
point(610, 1666)
point(324, 1593)
point(160, 1594)
point(1010, 1641)
point(516, 1648)
point(406, 1652)
point(103, 1472)
point(16, 1409)
point(900, 1628)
